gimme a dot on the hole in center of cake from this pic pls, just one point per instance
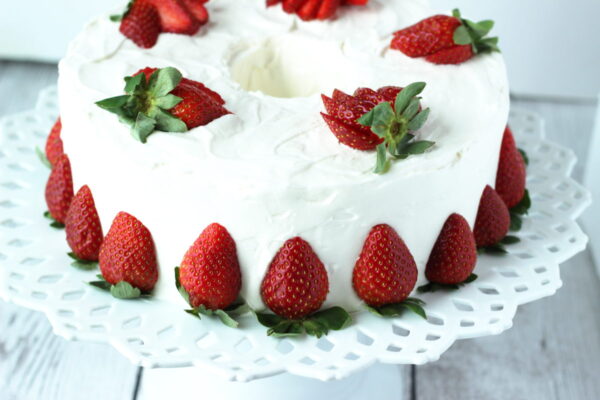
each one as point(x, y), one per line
point(290, 66)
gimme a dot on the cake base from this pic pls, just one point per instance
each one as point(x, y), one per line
point(159, 384)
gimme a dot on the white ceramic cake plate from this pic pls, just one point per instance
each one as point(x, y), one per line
point(35, 273)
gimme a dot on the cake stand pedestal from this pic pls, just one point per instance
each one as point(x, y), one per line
point(35, 273)
point(160, 384)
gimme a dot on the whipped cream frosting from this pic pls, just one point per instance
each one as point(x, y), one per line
point(272, 170)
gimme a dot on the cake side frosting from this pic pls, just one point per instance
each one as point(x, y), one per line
point(272, 170)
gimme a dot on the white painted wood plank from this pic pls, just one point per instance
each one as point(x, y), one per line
point(552, 351)
point(36, 364)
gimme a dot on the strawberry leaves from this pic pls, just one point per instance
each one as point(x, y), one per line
point(54, 223)
point(434, 286)
point(227, 316)
point(397, 309)
point(395, 124)
point(518, 211)
point(84, 265)
point(122, 290)
point(146, 103)
point(474, 33)
point(317, 324)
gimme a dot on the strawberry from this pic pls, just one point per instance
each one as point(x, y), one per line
point(161, 99)
point(54, 144)
point(451, 55)
point(296, 282)
point(368, 120)
point(141, 24)
point(210, 271)
point(128, 254)
point(59, 189)
point(493, 219)
point(198, 10)
point(385, 272)
point(328, 9)
point(454, 253)
point(427, 36)
point(444, 39)
point(197, 108)
point(510, 178)
point(309, 10)
point(82, 226)
point(175, 17)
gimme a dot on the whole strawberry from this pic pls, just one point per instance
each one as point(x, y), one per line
point(161, 99)
point(54, 144)
point(444, 39)
point(511, 175)
point(296, 282)
point(141, 24)
point(82, 226)
point(383, 120)
point(385, 272)
point(59, 189)
point(210, 271)
point(128, 254)
point(493, 219)
point(294, 288)
point(454, 254)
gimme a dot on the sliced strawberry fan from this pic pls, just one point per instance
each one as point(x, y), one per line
point(309, 10)
point(384, 120)
point(144, 20)
point(444, 39)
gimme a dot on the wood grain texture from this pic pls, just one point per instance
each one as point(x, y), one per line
point(550, 353)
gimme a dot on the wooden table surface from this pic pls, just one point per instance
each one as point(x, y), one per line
point(552, 352)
